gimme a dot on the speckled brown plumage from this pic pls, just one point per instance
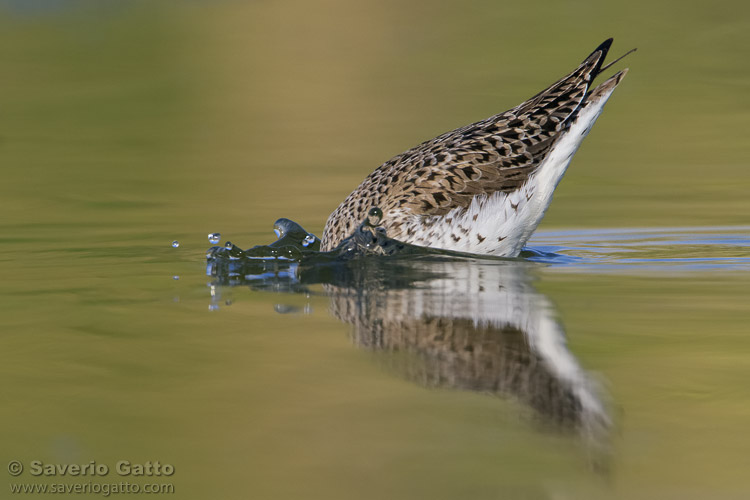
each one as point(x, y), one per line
point(496, 155)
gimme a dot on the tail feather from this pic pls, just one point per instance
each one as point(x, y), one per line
point(597, 57)
point(606, 87)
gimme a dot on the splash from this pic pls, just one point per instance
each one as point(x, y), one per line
point(295, 245)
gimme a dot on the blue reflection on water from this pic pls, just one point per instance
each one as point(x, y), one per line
point(669, 249)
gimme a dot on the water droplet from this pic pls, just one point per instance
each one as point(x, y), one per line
point(175, 277)
point(214, 238)
point(175, 244)
point(309, 240)
point(213, 307)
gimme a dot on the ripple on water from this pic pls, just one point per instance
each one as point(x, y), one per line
point(666, 249)
point(599, 250)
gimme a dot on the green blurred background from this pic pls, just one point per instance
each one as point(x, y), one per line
point(125, 125)
point(234, 112)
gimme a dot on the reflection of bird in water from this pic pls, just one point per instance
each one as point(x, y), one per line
point(463, 323)
point(482, 188)
point(476, 326)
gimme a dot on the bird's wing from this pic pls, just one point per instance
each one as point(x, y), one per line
point(496, 154)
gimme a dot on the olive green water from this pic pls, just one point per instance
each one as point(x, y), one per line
point(125, 126)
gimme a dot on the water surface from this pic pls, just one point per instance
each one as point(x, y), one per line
point(125, 126)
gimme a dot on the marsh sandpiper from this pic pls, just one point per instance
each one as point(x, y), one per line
point(483, 188)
